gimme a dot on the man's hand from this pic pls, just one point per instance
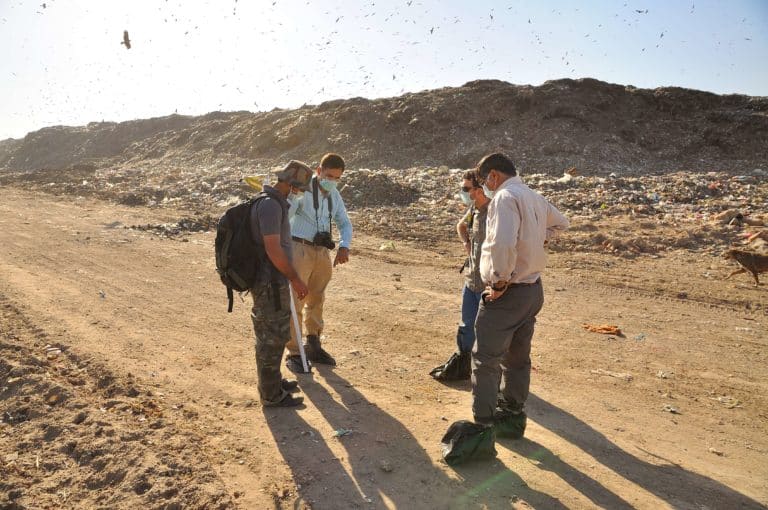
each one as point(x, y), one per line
point(492, 294)
point(299, 288)
point(342, 256)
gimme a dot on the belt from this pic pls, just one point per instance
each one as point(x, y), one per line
point(538, 281)
point(303, 241)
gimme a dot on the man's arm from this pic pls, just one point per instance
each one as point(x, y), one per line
point(462, 228)
point(499, 252)
point(557, 223)
point(281, 262)
point(344, 225)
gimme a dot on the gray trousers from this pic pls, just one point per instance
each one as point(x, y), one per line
point(501, 358)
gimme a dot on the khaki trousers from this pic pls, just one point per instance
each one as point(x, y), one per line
point(313, 264)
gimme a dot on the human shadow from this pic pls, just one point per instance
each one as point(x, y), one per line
point(500, 486)
point(546, 460)
point(670, 482)
point(388, 468)
point(311, 461)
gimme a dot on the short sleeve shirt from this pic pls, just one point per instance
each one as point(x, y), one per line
point(270, 217)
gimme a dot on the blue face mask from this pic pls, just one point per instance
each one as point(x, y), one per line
point(488, 192)
point(464, 195)
point(327, 184)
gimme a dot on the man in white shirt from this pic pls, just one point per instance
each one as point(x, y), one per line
point(520, 222)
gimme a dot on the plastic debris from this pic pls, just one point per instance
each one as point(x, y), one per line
point(617, 375)
point(605, 329)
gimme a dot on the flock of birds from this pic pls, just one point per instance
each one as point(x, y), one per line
point(411, 29)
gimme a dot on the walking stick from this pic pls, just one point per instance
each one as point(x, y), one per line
point(297, 332)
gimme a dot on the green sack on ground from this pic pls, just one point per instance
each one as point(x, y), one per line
point(509, 425)
point(465, 441)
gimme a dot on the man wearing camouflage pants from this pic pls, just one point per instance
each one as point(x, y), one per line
point(520, 222)
point(271, 313)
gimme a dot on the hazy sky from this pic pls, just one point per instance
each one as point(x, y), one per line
point(62, 62)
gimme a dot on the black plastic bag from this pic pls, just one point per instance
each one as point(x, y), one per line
point(466, 441)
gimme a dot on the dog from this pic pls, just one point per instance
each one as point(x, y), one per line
point(755, 263)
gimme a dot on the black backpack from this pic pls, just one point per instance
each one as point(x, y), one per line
point(238, 257)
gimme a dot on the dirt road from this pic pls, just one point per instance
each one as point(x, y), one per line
point(598, 433)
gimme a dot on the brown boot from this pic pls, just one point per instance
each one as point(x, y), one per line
point(315, 352)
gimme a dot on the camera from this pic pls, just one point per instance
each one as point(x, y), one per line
point(324, 239)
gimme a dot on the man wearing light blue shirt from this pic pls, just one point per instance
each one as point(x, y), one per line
point(312, 215)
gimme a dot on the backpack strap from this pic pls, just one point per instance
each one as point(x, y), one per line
point(231, 298)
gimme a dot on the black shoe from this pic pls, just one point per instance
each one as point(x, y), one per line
point(316, 353)
point(288, 401)
point(293, 363)
point(457, 368)
point(509, 424)
point(289, 386)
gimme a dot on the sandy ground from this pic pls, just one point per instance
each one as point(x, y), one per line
point(151, 313)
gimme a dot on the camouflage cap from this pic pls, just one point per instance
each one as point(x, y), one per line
point(296, 174)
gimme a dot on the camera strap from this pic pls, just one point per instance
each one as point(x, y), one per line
point(316, 203)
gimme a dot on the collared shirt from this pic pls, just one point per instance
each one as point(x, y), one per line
point(475, 220)
point(304, 222)
point(519, 222)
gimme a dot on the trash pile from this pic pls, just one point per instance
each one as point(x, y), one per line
point(624, 215)
point(586, 123)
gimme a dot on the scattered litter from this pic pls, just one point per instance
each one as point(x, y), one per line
point(728, 401)
point(388, 246)
point(617, 375)
point(663, 375)
point(670, 409)
point(715, 451)
point(640, 337)
point(605, 329)
point(386, 466)
point(341, 432)
point(102, 294)
point(52, 352)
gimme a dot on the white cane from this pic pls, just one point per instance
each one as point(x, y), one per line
point(297, 332)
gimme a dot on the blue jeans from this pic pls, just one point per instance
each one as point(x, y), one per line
point(465, 336)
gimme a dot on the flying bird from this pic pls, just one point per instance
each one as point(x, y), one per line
point(126, 40)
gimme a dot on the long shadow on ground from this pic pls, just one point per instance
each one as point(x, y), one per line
point(670, 482)
point(387, 465)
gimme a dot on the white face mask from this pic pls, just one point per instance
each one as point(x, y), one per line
point(327, 184)
point(292, 196)
point(488, 193)
point(464, 195)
